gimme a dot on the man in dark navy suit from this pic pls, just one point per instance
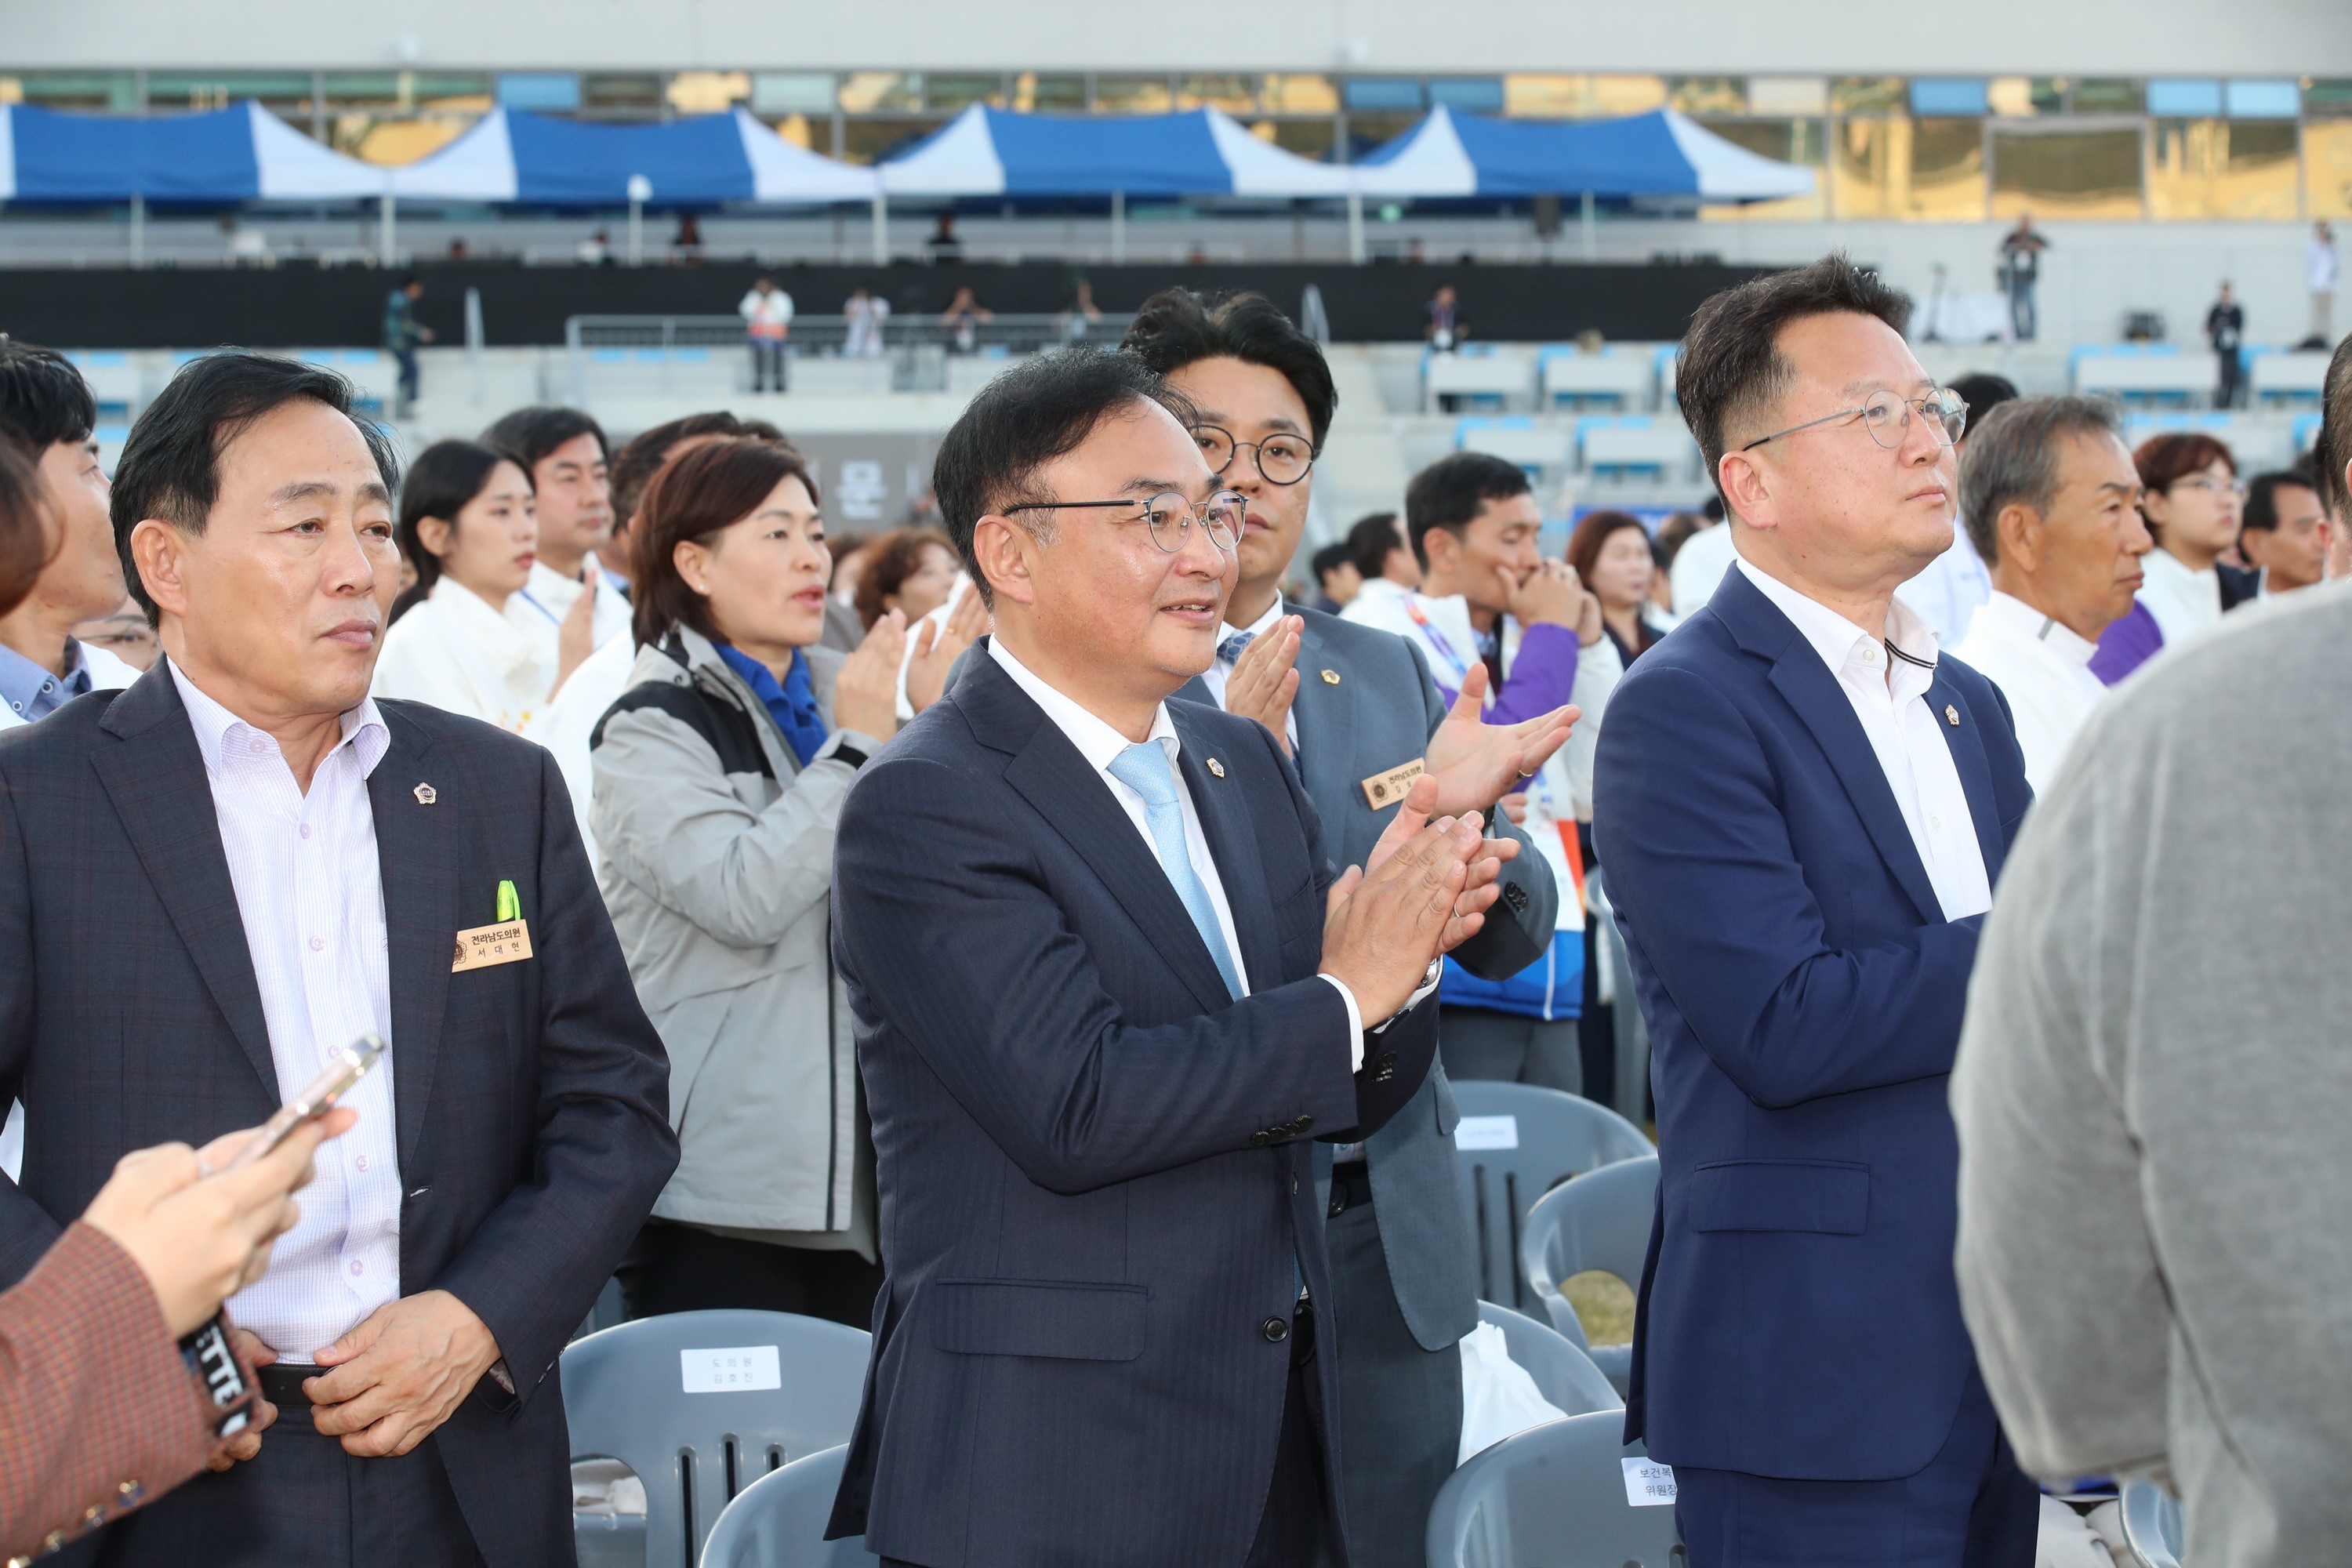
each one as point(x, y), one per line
point(1107, 991)
point(211, 883)
point(1803, 808)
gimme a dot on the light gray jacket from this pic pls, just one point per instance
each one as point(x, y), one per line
point(715, 856)
point(2154, 1257)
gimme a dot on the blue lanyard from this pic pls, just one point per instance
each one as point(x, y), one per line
point(524, 595)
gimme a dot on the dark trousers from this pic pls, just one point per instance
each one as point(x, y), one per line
point(406, 359)
point(304, 1500)
point(2232, 369)
point(1971, 1508)
point(767, 365)
point(1510, 1047)
point(1400, 1405)
point(685, 1268)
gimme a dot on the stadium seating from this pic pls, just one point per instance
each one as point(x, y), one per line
point(2145, 372)
point(1483, 376)
point(1558, 1496)
point(1574, 379)
point(779, 1521)
point(1517, 1141)
point(1601, 1220)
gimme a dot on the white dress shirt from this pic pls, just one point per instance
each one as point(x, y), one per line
point(310, 893)
point(538, 610)
point(1217, 674)
point(2184, 602)
point(457, 653)
point(1887, 696)
point(1101, 745)
point(2043, 670)
point(1950, 591)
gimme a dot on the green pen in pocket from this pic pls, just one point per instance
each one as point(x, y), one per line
point(509, 904)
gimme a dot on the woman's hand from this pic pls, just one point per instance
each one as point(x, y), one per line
point(938, 644)
point(866, 692)
point(575, 635)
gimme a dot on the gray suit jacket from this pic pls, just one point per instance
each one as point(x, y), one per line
point(1380, 712)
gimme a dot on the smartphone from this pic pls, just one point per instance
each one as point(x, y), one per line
point(318, 1098)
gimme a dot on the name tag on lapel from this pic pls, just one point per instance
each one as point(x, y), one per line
point(1387, 789)
point(508, 942)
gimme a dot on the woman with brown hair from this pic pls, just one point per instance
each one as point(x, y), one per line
point(1611, 551)
point(2193, 502)
point(720, 776)
point(910, 570)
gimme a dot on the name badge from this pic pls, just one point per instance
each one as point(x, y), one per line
point(1388, 788)
point(508, 942)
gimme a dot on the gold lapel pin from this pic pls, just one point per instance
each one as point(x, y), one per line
point(1951, 715)
point(427, 795)
point(1216, 768)
point(1330, 677)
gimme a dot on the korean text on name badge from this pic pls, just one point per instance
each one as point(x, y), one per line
point(1649, 1484)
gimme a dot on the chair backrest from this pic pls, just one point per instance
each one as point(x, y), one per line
point(1601, 1220)
point(1553, 1497)
point(1564, 1374)
point(700, 1403)
point(778, 1521)
point(2151, 1525)
point(1516, 1142)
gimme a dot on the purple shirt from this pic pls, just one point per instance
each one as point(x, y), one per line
point(1542, 675)
point(2126, 645)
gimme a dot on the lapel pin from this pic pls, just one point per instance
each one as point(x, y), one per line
point(1951, 715)
point(1330, 677)
point(1216, 768)
point(427, 795)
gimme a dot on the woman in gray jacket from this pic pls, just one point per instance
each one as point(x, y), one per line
point(720, 776)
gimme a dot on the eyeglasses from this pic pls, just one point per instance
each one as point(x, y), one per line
point(1888, 418)
point(2212, 486)
point(1282, 459)
point(1168, 516)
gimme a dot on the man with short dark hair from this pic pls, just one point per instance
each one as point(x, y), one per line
point(1384, 560)
point(280, 864)
point(2284, 534)
point(1106, 987)
point(564, 452)
point(1802, 810)
point(1335, 577)
point(2225, 329)
point(2052, 499)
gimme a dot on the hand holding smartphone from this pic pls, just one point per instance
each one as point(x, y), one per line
point(319, 1096)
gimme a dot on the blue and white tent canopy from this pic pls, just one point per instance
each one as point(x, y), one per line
point(240, 153)
point(1659, 155)
point(987, 152)
point(514, 156)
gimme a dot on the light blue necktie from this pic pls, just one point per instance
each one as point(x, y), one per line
point(1230, 651)
point(1146, 769)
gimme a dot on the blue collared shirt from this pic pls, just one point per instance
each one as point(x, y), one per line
point(32, 692)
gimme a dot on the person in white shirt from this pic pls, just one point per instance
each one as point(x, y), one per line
point(2193, 501)
point(1699, 565)
point(566, 455)
point(866, 311)
point(2284, 535)
point(1954, 586)
point(465, 525)
point(2050, 493)
point(2324, 269)
point(1385, 563)
point(767, 312)
point(47, 411)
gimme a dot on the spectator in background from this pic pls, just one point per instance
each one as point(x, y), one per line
point(2285, 534)
point(1610, 553)
point(566, 455)
point(2193, 500)
point(2149, 1104)
point(1336, 577)
point(125, 633)
point(2021, 269)
point(1676, 531)
point(1702, 561)
point(1443, 328)
point(963, 317)
point(1954, 585)
point(2049, 490)
point(1080, 316)
point(865, 312)
point(767, 312)
point(686, 245)
point(465, 525)
point(944, 247)
point(2323, 267)
point(910, 570)
point(719, 775)
point(47, 415)
point(1385, 564)
point(402, 334)
point(2225, 329)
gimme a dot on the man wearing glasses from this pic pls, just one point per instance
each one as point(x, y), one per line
point(1355, 709)
point(1803, 808)
point(1108, 991)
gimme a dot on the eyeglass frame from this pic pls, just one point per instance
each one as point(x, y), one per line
point(1908, 404)
point(1257, 454)
point(1240, 504)
point(2207, 483)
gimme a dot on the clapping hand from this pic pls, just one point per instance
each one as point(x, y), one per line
point(1426, 892)
point(1264, 678)
point(1477, 763)
point(938, 644)
point(866, 691)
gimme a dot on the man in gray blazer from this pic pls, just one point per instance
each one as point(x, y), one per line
point(1356, 711)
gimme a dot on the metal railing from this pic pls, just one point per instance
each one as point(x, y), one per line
point(664, 354)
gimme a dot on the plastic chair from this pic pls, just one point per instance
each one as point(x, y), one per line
point(1601, 1220)
point(1552, 1497)
point(778, 1521)
point(2152, 1526)
point(1564, 1374)
point(1516, 1142)
point(628, 1395)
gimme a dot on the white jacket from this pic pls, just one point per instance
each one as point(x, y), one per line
point(457, 653)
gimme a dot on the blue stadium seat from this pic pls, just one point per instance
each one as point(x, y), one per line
point(1555, 1496)
point(778, 1521)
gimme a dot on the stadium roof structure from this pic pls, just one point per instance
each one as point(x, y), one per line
point(1648, 156)
point(986, 151)
point(240, 153)
point(513, 156)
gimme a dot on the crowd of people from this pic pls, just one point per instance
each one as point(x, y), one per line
point(1044, 935)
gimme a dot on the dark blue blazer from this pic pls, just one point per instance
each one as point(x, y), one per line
point(1095, 1194)
point(532, 1098)
point(1798, 1314)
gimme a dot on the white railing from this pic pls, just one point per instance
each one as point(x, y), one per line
point(667, 354)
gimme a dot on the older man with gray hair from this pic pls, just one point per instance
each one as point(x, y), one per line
point(2052, 501)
